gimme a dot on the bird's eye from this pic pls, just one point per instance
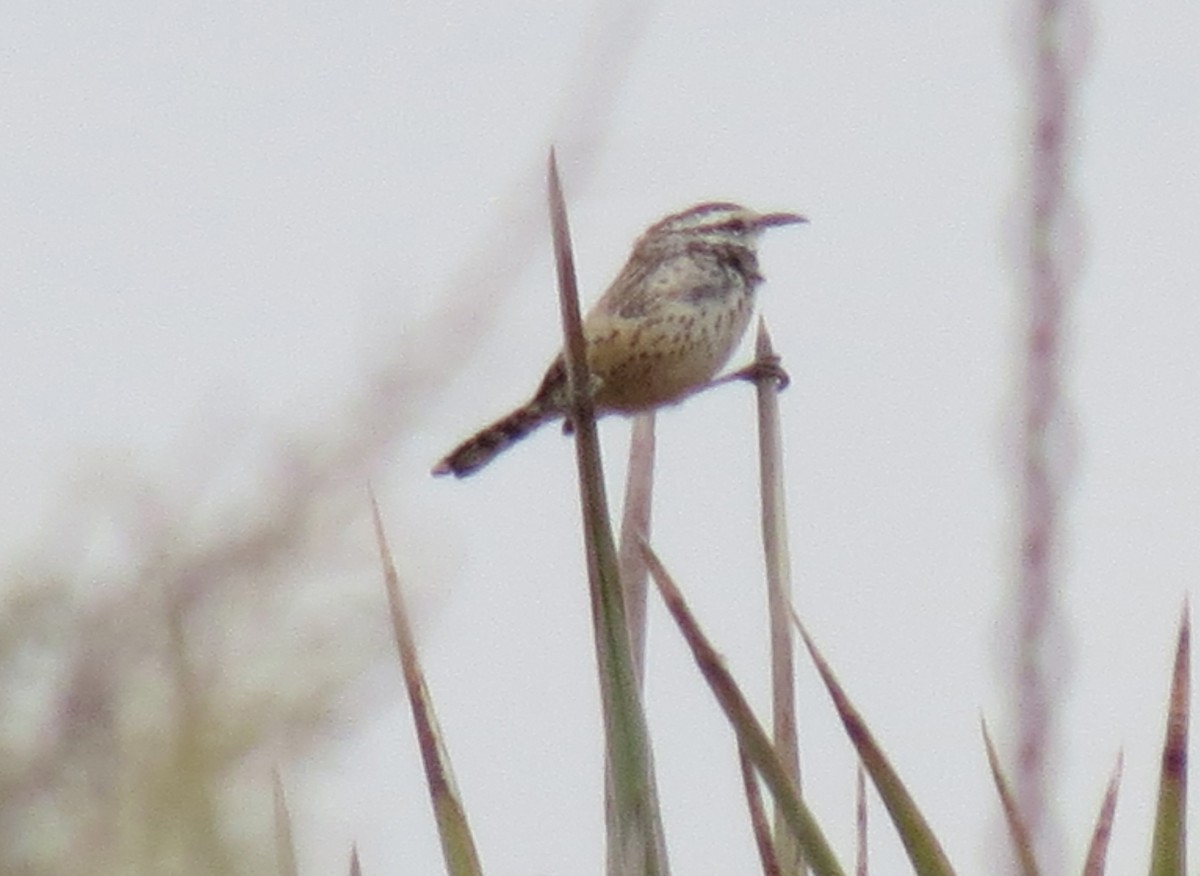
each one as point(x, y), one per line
point(736, 226)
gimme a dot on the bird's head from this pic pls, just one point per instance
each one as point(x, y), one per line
point(719, 222)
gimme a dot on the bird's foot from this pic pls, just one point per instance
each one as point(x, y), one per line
point(769, 368)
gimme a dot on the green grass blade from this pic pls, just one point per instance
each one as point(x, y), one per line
point(924, 851)
point(458, 846)
point(758, 816)
point(636, 846)
point(751, 736)
point(1168, 855)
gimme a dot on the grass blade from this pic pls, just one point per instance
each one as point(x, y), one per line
point(751, 736)
point(1098, 847)
point(1169, 855)
point(285, 847)
point(779, 587)
point(1017, 831)
point(924, 851)
point(635, 843)
point(758, 816)
point(860, 820)
point(635, 528)
point(458, 847)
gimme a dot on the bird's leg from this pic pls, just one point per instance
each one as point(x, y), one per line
point(761, 369)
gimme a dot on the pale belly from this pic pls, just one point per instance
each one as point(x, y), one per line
point(659, 359)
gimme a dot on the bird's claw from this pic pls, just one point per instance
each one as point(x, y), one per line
point(767, 368)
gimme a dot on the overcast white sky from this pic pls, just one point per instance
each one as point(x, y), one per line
point(228, 212)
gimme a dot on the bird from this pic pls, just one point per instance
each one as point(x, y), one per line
point(662, 330)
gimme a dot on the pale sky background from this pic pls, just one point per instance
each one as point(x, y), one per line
point(220, 218)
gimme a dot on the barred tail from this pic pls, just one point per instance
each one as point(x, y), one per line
point(478, 450)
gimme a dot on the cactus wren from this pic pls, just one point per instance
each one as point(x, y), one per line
point(666, 325)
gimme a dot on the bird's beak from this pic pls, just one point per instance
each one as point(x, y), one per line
point(770, 220)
